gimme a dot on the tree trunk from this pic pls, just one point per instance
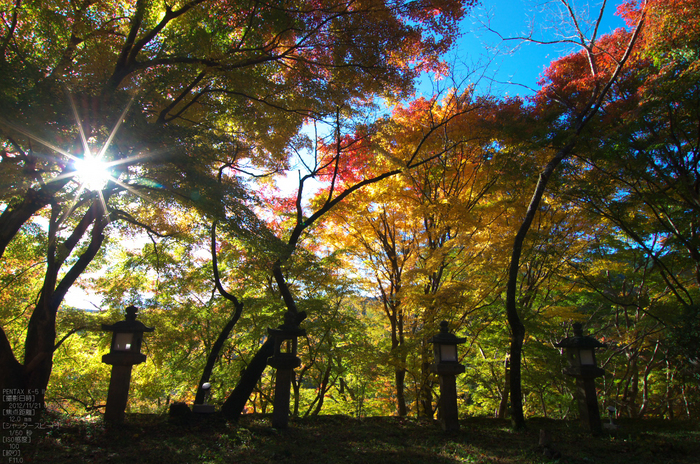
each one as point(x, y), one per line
point(11, 371)
point(234, 404)
point(585, 115)
point(505, 396)
point(517, 329)
point(516, 396)
point(221, 339)
point(632, 390)
point(40, 341)
point(322, 390)
point(296, 388)
point(12, 219)
point(400, 378)
point(214, 354)
point(425, 395)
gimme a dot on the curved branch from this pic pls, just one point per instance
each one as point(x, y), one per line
point(65, 337)
point(226, 331)
point(123, 215)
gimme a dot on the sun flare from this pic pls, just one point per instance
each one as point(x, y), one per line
point(92, 173)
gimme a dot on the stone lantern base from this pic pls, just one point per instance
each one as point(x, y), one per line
point(203, 408)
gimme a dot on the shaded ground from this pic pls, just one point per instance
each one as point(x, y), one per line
point(339, 439)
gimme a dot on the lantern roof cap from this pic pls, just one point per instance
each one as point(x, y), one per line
point(129, 324)
point(445, 337)
point(579, 340)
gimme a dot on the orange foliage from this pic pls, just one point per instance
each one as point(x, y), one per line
point(575, 78)
point(671, 25)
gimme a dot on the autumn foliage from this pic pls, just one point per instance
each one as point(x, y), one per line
point(577, 203)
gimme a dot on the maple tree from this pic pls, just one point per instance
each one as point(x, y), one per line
point(601, 123)
point(421, 240)
point(575, 89)
point(647, 152)
point(213, 83)
point(331, 163)
point(387, 258)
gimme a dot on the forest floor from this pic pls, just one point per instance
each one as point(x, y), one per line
point(340, 439)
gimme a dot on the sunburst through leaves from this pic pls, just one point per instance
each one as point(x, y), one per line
point(92, 171)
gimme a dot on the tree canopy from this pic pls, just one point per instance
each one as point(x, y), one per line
point(509, 217)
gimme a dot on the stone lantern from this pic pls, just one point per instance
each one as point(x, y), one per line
point(284, 360)
point(580, 354)
point(124, 352)
point(447, 366)
point(205, 407)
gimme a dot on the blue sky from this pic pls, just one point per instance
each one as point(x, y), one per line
point(511, 66)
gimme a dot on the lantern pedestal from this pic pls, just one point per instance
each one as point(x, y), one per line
point(447, 367)
point(203, 408)
point(125, 351)
point(118, 394)
point(580, 352)
point(449, 417)
point(588, 404)
point(284, 360)
point(283, 384)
